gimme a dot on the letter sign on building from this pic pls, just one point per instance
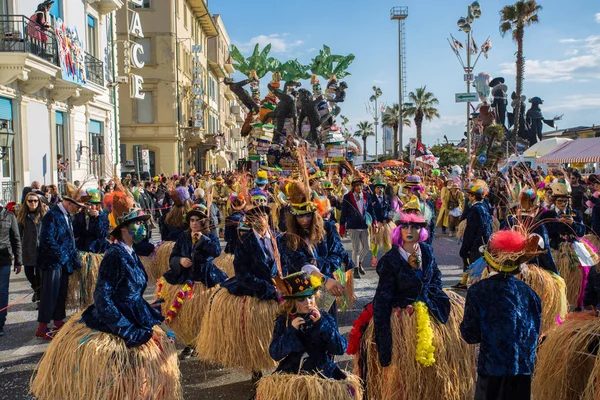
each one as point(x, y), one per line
point(136, 50)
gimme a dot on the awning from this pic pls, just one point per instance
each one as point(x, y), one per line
point(577, 151)
point(544, 147)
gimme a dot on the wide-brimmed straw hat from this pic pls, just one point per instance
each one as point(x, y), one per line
point(508, 249)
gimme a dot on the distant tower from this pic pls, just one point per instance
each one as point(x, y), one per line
point(400, 14)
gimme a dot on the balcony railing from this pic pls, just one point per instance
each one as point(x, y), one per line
point(94, 69)
point(20, 34)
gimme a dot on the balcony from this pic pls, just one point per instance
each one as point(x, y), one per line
point(30, 55)
point(106, 6)
point(237, 113)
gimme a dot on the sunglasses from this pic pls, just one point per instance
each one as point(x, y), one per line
point(410, 226)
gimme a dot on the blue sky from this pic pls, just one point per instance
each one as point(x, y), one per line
point(562, 51)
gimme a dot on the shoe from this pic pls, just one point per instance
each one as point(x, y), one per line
point(356, 274)
point(451, 234)
point(361, 269)
point(46, 335)
point(34, 298)
point(459, 286)
point(374, 262)
point(2, 333)
point(186, 353)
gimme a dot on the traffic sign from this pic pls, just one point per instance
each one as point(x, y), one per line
point(466, 97)
point(468, 77)
point(482, 158)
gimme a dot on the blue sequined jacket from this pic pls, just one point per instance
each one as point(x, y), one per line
point(544, 260)
point(309, 348)
point(231, 233)
point(399, 286)
point(478, 229)
point(559, 231)
point(91, 235)
point(328, 254)
point(503, 314)
point(57, 244)
point(119, 306)
point(254, 270)
point(202, 255)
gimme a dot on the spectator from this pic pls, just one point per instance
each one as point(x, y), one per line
point(199, 196)
point(10, 251)
point(35, 186)
point(577, 191)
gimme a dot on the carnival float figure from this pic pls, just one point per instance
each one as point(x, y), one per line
point(499, 102)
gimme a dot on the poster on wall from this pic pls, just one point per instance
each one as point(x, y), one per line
point(70, 53)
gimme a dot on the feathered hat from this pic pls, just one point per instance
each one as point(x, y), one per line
point(378, 181)
point(508, 249)
point(413, 206)
point(261, 178)
point(527, 200)
point(298, 285)
point(478, 187)
point(323, 205)
point(73, 194)
point(298, 195)
point(260, 201)
point(412, 180)
point(198, 210)
point(125, 210)
point(560, 189)
point(411, 218)
point(237, 201)
point(94, 196)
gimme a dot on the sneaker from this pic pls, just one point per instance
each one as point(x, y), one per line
point(46, 335)
point(374, 262)
point(2, 333)
point(356, 274)
point(361, 269)
point(186, 353)
point(459, 286)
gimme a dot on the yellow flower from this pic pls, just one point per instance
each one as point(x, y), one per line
point(425, 347)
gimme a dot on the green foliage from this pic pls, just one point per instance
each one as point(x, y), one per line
point(516, 16)
point(449, 155)
point(422, 106)
point(293, 71)
point(258, 62)
point(365, 129)
point(325, 64)
point(391, 116)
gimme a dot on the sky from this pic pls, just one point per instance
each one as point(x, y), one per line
point(562, 52)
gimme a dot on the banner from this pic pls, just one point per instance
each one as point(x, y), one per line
point(70, 53)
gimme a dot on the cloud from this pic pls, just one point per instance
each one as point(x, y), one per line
point(571, 52)
point(575, 102)
point(279, 43)
point(597, 17)
point(378, 81)
point(583, 62)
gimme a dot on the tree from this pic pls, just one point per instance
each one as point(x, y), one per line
point(365, 129)
point(449, 155)
point(514, 18)
point(495, 132)
point(391, 117)
point(422, 106)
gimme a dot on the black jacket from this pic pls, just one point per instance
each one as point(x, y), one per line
point(30, 238)
point(10, 239)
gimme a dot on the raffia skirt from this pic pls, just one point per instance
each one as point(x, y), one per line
point(225, 263)
point(188, 319)
point(81, 363)
point(571, 270)
point(82, 283)
point(280, 386)
point(451, 377)
point(567, 365)
point(161, 256)
point(236, 331)
point(383, 237)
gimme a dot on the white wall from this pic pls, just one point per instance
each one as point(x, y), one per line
point(38, 127)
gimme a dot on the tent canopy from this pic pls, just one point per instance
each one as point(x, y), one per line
point(544, 147)
point(577, 151)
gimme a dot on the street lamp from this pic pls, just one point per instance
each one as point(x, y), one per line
point(464, 24)
point(6, 139)
point(376, 94)
point(400, 14)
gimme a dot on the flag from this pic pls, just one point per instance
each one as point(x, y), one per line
point(421, 150)
point(487, 46)
point(474, 48)
point(453, 48)
point(457, 43)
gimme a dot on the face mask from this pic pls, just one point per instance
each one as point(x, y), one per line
point(138, 233)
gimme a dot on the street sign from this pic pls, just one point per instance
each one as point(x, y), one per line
point(468, 77)
point(482, 158)
point(466, 97)
point(413, 149)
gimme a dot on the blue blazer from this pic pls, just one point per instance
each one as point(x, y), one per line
point(503, 314)
point(558, 231)
point(202, 255)
point(231, 234)
point(351, 217)
point(119, 306)
point(57, 250)
point(89, 236)
point(254, 270)
point(320, 341)
point(400, 286)
point(328, 254)
point(381, 210)
point(478, 230)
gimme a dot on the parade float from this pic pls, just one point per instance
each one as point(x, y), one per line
point(291, 115)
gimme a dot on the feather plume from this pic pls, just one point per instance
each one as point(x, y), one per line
point(507, 241)
point(297, 192)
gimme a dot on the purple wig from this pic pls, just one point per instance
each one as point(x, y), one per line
point(409, 218)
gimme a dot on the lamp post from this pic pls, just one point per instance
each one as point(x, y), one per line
point(464, 24)
point(6, 139)
point(400, 14)
point(376, 94)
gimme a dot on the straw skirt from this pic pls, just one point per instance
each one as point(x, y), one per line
point(162, 254)
point(81, 363)
point(225, 263)
point(281, 386)
point(82, 283)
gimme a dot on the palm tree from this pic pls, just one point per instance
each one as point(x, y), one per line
point(514, 18)
point(391, 117)
point(422, 106)
point(365, 129)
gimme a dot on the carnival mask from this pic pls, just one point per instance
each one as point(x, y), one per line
point(137, 232)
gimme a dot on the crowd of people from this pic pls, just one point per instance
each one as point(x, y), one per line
point(269, 300)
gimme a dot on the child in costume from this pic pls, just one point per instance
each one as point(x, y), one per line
point(114, 349)
point(192, 271)
point(507, 342)
point(305, 340)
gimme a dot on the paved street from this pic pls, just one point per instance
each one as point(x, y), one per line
point(20, 350)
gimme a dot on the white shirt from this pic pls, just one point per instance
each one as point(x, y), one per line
point(359, 202)
point(65, 213)
point(405, 253)
point(128, 248)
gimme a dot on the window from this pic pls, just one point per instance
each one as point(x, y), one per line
point(55, 10)
point(60, 134)
point(146, 4)
point(92, 29)
point(147, 46)
point(145, 109)
point(95, 147)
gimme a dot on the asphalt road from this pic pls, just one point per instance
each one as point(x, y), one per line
point(20, 350)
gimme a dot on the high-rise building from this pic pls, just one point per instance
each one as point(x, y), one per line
point(388, 140)
point(57, 106)
point(182, 121)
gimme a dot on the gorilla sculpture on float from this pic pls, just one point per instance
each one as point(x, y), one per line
point(238, 89)
point(286, 108)
point(308, 109)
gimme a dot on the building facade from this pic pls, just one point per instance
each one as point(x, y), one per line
point(183, 120)
point(58, 109)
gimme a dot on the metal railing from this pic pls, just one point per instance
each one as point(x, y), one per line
point(20, 34)
point(94, 69)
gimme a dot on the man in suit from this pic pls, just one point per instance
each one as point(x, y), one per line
point(356, 216)
point(58, 258)
point(382, 209)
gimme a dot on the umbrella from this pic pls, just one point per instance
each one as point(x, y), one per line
point(391, 164)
